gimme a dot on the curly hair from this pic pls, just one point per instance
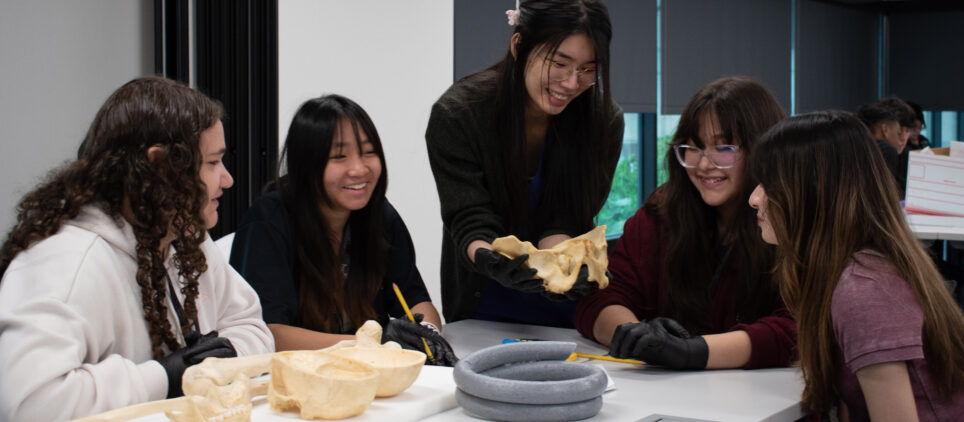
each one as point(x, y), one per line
point(161, 198)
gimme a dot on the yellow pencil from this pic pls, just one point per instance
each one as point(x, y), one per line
point(609, 358)
point(411, 317)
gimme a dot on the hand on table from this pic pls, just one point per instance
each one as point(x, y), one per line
point(660, 341)
point(409, 335)
point(197, 349)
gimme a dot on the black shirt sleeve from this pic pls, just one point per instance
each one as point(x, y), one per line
point(263, 253)
point(401, 266)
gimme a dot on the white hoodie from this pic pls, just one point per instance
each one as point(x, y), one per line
point(73, 338)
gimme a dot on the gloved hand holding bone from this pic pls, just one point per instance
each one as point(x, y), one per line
point(566, 269)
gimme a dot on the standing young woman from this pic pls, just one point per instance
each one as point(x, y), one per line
point(880, 334)
point(690, 260)
point(324, 247)
point(109, 277)
point(527, 147)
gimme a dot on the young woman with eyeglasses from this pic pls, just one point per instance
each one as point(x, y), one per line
point(881, 337)
point(691, 286)
point(527, 147)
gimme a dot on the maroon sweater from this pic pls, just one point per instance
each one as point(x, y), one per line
point(636, 263)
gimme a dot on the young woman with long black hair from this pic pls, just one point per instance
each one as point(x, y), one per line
point(527, 147)
point(324, 247)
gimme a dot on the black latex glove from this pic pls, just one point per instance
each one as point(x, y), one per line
point(660, 341)
point(580, 288)
point(409, 335)
point(509, 273)
point(197, 349)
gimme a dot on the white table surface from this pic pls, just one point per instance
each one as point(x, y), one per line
point(432, 392)
point(719, 395)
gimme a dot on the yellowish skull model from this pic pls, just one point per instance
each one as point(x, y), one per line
point(321, 385)
point(559, 266)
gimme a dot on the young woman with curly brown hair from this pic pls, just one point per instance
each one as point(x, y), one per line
point(109, 277)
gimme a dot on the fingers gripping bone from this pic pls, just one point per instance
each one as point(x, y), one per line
point(559, 266)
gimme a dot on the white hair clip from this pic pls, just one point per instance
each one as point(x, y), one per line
point(513, 14)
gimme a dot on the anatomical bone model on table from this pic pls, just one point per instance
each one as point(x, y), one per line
point(332, 383)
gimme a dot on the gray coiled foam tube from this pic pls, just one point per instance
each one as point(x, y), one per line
point(528, 381)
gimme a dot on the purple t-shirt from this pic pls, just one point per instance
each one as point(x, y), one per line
point(877, 319)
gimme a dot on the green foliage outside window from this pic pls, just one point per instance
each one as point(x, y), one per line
point(662, 145)
point(623, 198)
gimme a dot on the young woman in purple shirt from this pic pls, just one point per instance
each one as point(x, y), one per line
point(880, 337)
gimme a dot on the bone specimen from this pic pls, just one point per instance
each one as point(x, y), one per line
point(558, 267)
point(221, 390)
point(397, 368)
point(321, 385)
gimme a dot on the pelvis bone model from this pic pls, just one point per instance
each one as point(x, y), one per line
point(558, 267)
point(320, 384)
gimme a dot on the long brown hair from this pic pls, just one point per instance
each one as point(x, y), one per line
point(323, 293)
point(830, 195)
point(745, 109)
point(113, 171)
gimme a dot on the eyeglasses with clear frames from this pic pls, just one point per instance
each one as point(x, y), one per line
point(559, 72)
point(720, 156)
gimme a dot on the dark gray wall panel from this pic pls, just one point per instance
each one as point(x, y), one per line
point(707, 39)
point(836, 64)
point(482, 34)
point(926, 60)
point(633, 54)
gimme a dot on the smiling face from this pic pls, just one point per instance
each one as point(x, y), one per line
point(213, 173)
point(351, 174)
point(716, 186)
point(548, 81)
point(758, 200)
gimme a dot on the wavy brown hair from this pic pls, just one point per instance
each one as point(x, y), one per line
point(157, 198)
point(744, 109)
point(830, 195)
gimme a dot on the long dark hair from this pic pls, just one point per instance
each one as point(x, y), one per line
point(583, 130)
point(323, 293)
point(165, 195)
point(744, 109)
point(830, 195)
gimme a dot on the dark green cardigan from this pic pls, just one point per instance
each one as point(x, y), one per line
point(467, 165)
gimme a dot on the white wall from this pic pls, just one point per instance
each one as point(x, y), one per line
point(394, 58)
point(60, 61)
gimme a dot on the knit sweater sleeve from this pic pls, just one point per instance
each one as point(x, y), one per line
point(634, 264)
point(457, 151)
point(773, 339)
